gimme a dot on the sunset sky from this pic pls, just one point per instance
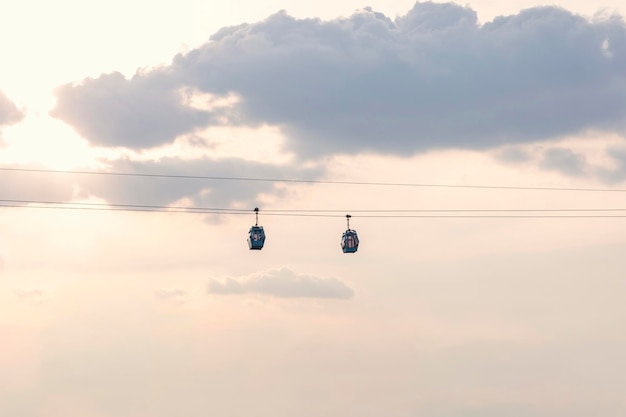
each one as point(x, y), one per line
point(412, 117)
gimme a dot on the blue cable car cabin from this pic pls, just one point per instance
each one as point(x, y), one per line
point(349, 239)
point(256, 238)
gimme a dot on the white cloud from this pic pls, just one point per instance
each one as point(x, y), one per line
point(202, 192)
point(28, 292)
point(433, 78)
point(19, 188)
point(283, 283)
point(140, 113)
point(9, 113)
point(168, 294)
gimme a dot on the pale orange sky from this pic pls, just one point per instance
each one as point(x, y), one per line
point(110, 314)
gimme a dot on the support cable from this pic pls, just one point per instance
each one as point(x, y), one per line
point(304, 181)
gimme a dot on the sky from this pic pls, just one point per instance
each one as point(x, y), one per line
point(491, 109)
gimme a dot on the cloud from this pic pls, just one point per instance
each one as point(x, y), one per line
point(617, 173)
point(513, 154)
point(434, 78)
point(283, 283)
point(201, 192)
point(9, 113)
point(139, 113)
point(39, 186)
point(160, 190)
point(564, 161)
point(28, 292)
point(169, 293)
point(607, 166)
point(173, 295)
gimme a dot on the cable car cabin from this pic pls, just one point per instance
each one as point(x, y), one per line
point(256, 239)
point(349, 241)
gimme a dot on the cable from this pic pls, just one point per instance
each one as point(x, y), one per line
point(141, 206)
point(314, 213)
point(302, 181)
point(437, 210)
point(19, 203)
point(337, 215)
